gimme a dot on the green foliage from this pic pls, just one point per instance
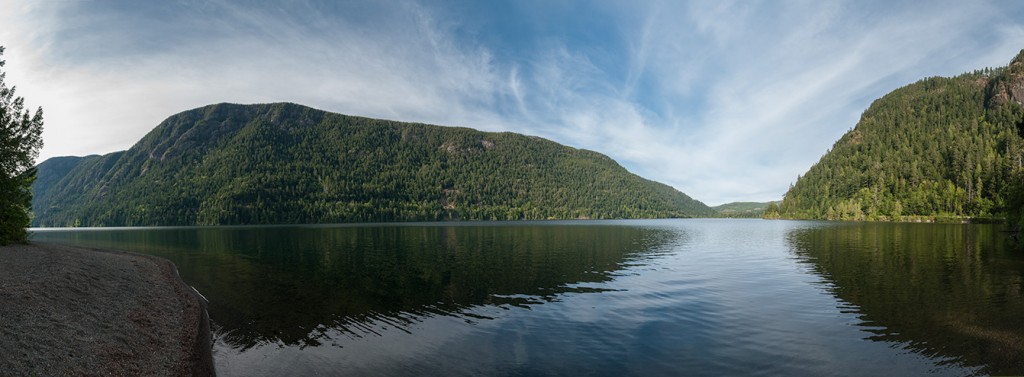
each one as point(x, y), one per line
point(20, 141)
point(932, 149)
point(743, 209)
point(285, 163)
point(772, 212)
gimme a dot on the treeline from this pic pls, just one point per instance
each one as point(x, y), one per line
point(938, 148)
point(748, 210)
point(285, 163)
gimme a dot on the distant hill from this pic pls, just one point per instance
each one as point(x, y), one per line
point(286, 163)
point(940, 147)
point(742, 209)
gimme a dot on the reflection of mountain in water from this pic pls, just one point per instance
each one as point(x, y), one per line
point(946, 291)
point(296, 285)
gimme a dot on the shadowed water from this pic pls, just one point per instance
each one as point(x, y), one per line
point(666, 297)
point(945, 291)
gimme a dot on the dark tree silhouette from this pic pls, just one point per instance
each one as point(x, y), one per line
point(20, 141)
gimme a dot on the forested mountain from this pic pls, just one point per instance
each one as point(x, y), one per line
point(742, 209)
point(52, 171)
point(935, 148)
point(286, 163)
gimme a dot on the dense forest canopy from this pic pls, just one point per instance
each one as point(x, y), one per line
point(940, 147)
point(742, 209)
point(286, 163)
point(20, 141)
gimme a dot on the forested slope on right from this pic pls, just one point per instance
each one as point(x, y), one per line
point(940, 147)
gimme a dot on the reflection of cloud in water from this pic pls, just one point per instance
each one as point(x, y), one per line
point(307, 286)
point(711, 297)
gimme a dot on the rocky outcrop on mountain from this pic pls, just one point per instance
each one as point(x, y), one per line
point(1007, 86)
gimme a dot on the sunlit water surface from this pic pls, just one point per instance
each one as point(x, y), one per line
point(608, 298)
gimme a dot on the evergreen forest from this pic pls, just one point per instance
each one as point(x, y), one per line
point(284, 163)
point(742, 209)
point(940, 148)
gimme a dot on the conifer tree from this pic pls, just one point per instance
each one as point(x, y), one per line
point(20, 141)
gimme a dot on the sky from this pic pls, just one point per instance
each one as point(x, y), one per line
point(723, 100)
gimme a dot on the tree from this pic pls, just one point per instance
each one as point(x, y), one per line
point(20, 141)
point(937, 147)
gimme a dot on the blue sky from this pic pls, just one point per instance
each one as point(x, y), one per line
point(725, 101)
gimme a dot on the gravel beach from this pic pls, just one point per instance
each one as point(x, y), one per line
point(67, 311)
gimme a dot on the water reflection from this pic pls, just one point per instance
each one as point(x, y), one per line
point(305, 286)
point(946, 291)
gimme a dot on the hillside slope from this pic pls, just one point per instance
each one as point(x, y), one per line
point(938, 147)
point(742, 209)
point(286, 163)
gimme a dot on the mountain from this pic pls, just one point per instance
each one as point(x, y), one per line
point(940, 147)
point(286, 163)
point(742, 209)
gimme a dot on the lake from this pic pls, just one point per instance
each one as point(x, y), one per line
point(602, 298)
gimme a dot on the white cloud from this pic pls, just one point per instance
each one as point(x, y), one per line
point(785, 82)
point(724, 100)
point(415, 72)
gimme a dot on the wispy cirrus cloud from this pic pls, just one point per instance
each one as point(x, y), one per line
point(725, 101)
point(776, 84)
point(405, 65)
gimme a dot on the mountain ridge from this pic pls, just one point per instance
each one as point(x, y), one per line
point(288, 163)
point(937, 148)
point(743, 209)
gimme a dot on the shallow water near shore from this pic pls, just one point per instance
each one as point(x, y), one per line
point(657, 297)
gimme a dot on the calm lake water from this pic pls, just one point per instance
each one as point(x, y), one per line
point(607, 298)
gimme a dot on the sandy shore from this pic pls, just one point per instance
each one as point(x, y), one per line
point(67, 311)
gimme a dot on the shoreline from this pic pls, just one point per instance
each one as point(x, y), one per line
point(915, 219)
point(79, 311)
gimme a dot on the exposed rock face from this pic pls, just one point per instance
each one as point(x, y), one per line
point(1008, 86)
